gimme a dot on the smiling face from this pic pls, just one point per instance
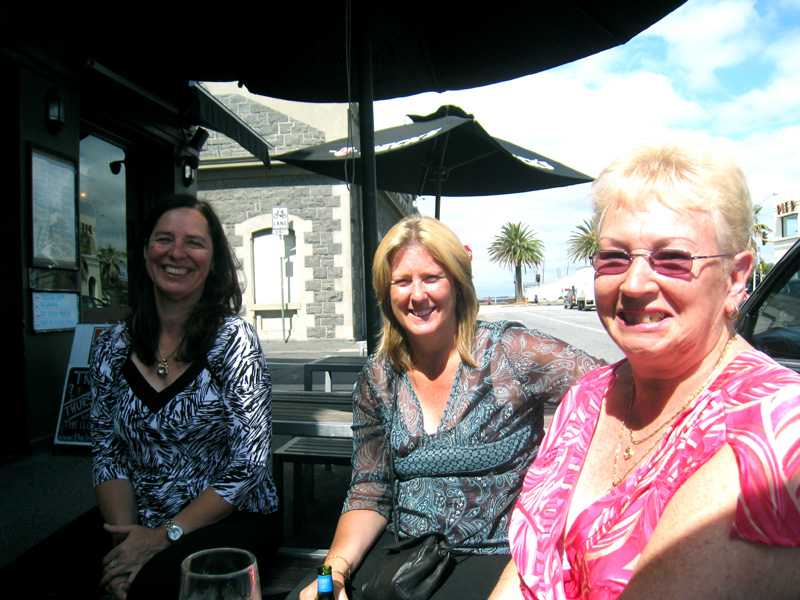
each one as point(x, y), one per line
point(423, 298)
point(665, 321)
point(178, 255)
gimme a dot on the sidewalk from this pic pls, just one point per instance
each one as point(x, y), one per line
point(311, 349)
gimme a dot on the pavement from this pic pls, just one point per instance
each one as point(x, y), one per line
point(39, 494)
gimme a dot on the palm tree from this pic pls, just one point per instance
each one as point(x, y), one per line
point(517, 247)
point(760, 230)
point(583, 243)
point(111, 261)
point(115, 287)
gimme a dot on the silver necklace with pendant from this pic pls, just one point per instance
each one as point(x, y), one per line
point(163, 368)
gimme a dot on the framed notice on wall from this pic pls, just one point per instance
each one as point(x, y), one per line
point(54, 210)
point(55, 311)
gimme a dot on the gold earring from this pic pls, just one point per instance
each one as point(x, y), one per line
point(733, 315)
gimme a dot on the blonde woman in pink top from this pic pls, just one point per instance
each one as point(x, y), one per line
point(676, 472)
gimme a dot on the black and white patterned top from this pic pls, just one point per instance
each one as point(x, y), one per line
point(458, 480)
point(211, 427)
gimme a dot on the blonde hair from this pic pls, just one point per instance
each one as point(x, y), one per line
point(445, 247)
point(685, 175)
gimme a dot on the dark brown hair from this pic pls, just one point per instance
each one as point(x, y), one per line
point(222, 295)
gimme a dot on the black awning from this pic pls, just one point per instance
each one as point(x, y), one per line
point(211, 113)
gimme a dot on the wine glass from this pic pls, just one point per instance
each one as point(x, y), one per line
point(220, 574)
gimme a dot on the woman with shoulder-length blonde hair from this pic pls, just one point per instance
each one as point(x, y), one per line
point(445, 248)
point(447, 415)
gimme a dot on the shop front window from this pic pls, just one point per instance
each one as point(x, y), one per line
point(103, 239)
point(789, 225)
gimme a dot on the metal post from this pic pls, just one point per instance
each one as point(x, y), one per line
point(369, 189)
point(283, 321)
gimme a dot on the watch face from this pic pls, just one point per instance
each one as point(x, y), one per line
point(174, 533)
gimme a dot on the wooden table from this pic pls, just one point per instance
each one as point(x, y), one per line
point(329, 364)
point(315, 414)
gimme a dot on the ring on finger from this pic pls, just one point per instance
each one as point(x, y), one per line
point(112, 564)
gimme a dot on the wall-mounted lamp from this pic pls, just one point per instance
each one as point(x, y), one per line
point(190, 164)
point(56, 107)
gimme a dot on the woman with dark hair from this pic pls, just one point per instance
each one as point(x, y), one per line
point(181, 411)
point(446, 417)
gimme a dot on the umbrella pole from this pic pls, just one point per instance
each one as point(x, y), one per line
point(369, 189)
point(440, 176)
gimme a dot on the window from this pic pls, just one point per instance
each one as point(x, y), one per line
point(103, 236)
point(789, 225)
point(771, 321)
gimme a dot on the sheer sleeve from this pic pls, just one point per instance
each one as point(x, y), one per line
point(546, 366)
point(372, 403)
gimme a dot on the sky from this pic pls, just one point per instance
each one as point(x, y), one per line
point(726, 69)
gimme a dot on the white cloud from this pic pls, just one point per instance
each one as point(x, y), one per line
point(705, 36)
point(677, 77)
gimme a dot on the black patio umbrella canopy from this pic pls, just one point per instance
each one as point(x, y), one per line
point(446, 153)
point(341, 51)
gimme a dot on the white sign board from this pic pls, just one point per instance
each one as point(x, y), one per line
point(280, 220)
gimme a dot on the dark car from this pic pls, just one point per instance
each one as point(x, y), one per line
point(569, 299)
point(770, 318)
point(91, 302)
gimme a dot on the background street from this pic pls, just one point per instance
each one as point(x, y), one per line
point(580, 328)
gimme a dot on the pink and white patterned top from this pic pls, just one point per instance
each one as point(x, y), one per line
point(753, 405)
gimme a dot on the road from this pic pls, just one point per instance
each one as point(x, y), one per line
point(579, 328)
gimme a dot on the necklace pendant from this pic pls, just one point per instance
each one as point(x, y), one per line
point(163, 369)
point(628, 454)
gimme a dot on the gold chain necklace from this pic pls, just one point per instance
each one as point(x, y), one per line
point(163, 368)
point(630, 450)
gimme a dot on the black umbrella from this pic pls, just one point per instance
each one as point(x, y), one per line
point(300, 51)
point(446, 153)
point(343, 50)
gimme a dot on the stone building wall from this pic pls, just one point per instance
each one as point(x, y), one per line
point(324, 216)
point(319, 215)
point(280, 130)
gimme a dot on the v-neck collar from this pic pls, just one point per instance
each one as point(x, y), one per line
point(448, 408)
point(150, 397)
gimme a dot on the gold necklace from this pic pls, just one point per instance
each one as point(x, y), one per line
point(163, 368)
point(630, 450)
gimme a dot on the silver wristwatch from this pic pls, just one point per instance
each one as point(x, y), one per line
point(174, 532)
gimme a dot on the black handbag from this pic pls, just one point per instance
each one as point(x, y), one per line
point(416, 567)
point(412, 570)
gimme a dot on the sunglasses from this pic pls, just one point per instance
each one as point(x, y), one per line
point(666, 261)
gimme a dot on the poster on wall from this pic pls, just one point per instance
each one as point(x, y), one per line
point(53, 184)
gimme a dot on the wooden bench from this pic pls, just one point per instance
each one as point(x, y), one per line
point(303, 450)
